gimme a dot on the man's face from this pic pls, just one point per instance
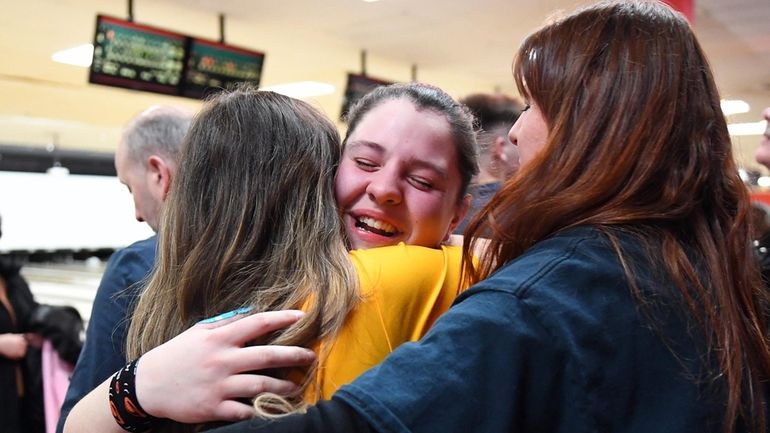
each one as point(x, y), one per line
point(762, 154)
point(138, 179)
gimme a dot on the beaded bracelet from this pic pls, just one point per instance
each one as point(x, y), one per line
point(125, 407)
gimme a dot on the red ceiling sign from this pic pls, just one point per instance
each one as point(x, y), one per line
point(686, 7)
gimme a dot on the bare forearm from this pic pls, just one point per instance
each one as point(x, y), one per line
point(92, 413)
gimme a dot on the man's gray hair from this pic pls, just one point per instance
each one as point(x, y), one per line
point(160, 129)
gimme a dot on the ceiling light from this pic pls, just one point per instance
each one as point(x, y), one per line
point(77, 56)
point(57, 170)
point(750, 128)
point(734, 106)
point(301, 89)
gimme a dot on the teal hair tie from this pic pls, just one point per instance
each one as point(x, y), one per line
point(228, 315)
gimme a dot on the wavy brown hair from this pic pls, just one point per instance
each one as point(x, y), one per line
point(251, 221)
point(637, 142)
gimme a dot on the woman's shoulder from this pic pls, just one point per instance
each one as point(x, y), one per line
point(573, 284)
point(584, 246)
point(576, 270)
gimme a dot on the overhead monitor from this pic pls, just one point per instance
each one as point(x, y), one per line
point(358, 86)
point(141, 57)
point(136, 56)
point(213, 65)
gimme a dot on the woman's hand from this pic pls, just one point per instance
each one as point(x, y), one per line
point(13, 346)
point(199, 375)
point(34, 339)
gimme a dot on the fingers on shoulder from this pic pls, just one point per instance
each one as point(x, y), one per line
point(263, 357)
point(256, 325)
point(251, 385)
point(231, 410)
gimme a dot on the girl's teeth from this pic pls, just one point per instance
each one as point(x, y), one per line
point(379, 225)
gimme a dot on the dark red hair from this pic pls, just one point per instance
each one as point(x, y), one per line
point(637, 140)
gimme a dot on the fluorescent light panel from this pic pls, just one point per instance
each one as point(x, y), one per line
point(301, 89)
point(76, 56)
point(734, 106)
point(750, 128)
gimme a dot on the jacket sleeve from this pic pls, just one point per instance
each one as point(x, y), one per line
point(327, 416)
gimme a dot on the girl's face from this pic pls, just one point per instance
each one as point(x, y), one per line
point(399, 180)
point(529, 133)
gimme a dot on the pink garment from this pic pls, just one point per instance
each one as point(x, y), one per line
point(56, 379)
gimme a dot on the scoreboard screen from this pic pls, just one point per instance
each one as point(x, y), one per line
point(358, 85)
point(136, 56)
point(212, 65)
point(141, 57)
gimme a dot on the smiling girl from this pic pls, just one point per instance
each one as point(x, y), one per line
point(409, 155)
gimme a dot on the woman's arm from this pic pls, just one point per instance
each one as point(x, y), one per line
point(92, 413)
point(198, 375)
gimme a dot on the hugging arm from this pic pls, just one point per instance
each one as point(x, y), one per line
point(198, 375)
point(465, 375)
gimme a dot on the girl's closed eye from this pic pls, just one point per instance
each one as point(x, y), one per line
point(365, 164)
point(421, 183)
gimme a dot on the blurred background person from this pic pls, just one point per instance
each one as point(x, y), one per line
point(762, 154)
point(760, 219)
point(28, 332)
point(761, 211)
point(145, 162)
point(17, 413)
point(498, 157)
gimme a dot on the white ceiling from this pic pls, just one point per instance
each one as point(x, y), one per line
point(463, 46)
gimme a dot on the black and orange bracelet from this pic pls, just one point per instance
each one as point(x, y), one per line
point(125, 407)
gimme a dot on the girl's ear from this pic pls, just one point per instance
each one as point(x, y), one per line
point(460, 211)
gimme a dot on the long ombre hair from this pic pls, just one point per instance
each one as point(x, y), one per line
point(251, 220)
point(637, 142)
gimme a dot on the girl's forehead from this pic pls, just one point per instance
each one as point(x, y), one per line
point(398, 128)
point(406, 110)
point(400, 110)
point(399, 120)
